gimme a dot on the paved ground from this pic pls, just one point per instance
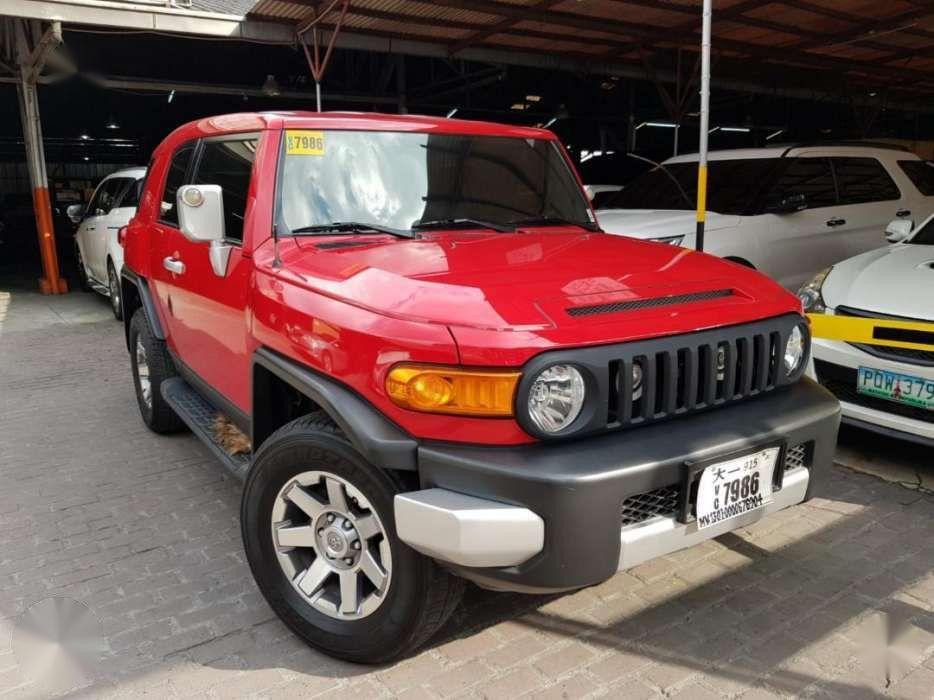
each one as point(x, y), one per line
point(144, 531)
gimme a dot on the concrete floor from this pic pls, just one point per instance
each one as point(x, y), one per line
point(143, 530)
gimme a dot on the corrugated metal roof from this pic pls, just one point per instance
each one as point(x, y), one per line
point(864, 38)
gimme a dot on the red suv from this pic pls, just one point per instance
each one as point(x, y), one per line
point(439, 368)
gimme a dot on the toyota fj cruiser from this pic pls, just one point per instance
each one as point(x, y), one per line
point(447, 371)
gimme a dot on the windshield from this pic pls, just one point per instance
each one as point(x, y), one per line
point(400, 180)
point(732, 186)
point(925, 235)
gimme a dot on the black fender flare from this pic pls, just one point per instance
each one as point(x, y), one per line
point(383, 443)
point(129, 280)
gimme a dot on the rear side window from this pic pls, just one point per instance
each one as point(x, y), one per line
point(862, 180)
point(178, 168)
point(811, 177)
point(229, 163)
point(921, 174)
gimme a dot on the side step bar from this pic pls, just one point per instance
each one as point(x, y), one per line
point(199, 414)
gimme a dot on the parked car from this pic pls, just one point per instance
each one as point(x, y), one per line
point(600, 195)
point(444, 371)
point(786, 211)
point(882, 388)
point(98, 253)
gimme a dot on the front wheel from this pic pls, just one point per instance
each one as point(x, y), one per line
point(318, 531)
point(113, 286)
point(151, 365)
point(83, 280)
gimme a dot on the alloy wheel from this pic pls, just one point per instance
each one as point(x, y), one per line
point(142, 373)
point(331, 545)
point(114, 288)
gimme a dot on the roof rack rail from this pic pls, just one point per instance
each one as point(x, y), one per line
point(852, 144)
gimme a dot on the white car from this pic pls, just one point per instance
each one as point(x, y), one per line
point(882, 388)
point(787, 212)
point(98, 253)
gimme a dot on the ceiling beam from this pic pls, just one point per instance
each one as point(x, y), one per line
point(864, 30)
point(504, 24)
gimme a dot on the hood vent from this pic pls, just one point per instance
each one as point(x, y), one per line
point(639, 304)
point(341, 244)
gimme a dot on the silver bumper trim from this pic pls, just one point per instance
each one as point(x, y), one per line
point(660, 536)
point(468, 531)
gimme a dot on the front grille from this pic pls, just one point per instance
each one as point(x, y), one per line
point(666, 500)
point(925, 358)
point(841, 382)
point(651, 303)
point(692, 377)
point(642, 506)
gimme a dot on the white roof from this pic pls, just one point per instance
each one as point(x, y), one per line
point(135, 173)
point(810, 149)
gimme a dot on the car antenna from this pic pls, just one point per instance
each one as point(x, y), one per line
point(276, 260)
point(667, 172)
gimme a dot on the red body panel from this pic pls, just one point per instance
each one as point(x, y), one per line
point(468, 297)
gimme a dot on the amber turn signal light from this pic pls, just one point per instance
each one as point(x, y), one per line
point(455, 390)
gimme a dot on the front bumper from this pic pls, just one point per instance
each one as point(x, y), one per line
point(877, 415)
point(548, 517)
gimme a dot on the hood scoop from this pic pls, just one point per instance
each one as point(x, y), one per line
point(333, 245)
point(651, 303)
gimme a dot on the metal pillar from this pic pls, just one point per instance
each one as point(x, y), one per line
point(704, 124)
point(30, 61)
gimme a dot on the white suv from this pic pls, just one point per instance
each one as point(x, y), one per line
point(786, 211)
point(98, 253)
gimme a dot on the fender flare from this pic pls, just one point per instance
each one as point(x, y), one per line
point(381, 442)
point(140, 285)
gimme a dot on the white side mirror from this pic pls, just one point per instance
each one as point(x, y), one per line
point(74, 212)
point(898, 230)
point(588, 190)
point(201, 218)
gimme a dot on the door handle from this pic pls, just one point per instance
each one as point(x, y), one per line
point(174, 266)
point(903, 213)
point(833, 223)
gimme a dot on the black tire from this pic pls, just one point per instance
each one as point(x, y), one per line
point(83, 280)
point(421, 596)
point(113, 285)
point(156, 413)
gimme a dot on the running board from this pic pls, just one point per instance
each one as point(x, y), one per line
point(199, 414)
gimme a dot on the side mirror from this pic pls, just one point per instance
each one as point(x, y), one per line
point(74, 212)
point(588, 190)
point(791, 204)
point(201, 218)
point(898, 230)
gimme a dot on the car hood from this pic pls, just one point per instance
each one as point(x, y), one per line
point(659, 223)
point(897, 280)
point(529, 280)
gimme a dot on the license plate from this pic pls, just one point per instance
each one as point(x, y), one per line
point(731, 488)
point(894, 386)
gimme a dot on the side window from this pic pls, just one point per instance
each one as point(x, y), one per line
point(105, 196)
point(921, 174)
point(175, 178)
point(811, 177)
point(132, 193)
point(863, 180)
point(229, 163)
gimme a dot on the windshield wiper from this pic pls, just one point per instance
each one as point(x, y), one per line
point(552, 221)
point(441, 223)
point(354, 227)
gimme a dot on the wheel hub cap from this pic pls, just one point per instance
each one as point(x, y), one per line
point(331, 545)
point(142, 373)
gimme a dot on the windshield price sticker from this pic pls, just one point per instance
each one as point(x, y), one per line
point(731, 488)
point(304, 143)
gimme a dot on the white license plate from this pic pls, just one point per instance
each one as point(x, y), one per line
point(894, 386)
point(736, 486)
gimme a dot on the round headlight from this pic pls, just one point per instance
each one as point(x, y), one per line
point(794, 350)
point(556, 397)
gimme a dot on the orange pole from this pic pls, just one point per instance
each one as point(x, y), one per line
point(51, 283)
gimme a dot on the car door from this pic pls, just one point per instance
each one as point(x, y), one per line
point(93, 232)
point(870, 199)
point(208, 320)
point(799, 243)
point(119, 216)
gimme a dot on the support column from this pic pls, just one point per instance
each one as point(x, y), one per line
point(51, 282)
